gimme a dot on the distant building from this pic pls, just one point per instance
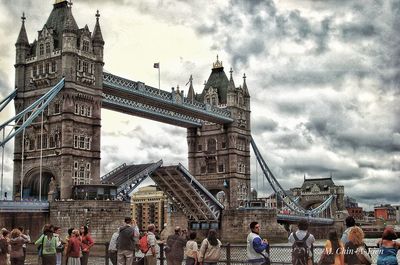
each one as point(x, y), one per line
point(385, 212)
point(397, 210)
point(353, 209)
point(148, 207)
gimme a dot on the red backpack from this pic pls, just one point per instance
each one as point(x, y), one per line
point(143, 244)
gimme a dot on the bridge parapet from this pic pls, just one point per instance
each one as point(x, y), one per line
point(24, 206)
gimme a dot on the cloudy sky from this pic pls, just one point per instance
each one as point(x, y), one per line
point(323, 77)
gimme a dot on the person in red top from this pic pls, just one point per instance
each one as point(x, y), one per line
point(74, 249)
point(87, 243)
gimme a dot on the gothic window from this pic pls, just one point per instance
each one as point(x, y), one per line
point(41, 49)
point(31, 145)
point(221, 168)
point(47, 68)
point(211, 145)
point(85, 46)
point(223, 145)
point(76, 141)
point(57, 140)
point(79, 65)
point(211, 167)
point(40, 69)
point(53, 66)
point(38, 140)
point(208, 100)
point(87, 143)
point(77, 109)
point(34, 71)
point(47, 48)
point(52, 142)
point(89, 111)
point(82, 142)
point(85, 67)
point(44, 138)
point(203, 169)
point(81, 175)
point(214, 101)
point(82, 110)
point(199, 147)
point(57, 107)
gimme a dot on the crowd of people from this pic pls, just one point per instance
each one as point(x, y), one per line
point(52, 249)
point(349, 249)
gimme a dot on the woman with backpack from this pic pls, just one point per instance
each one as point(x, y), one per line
point(333, 251)
point(388, 248)
point(47, 244)
point(210, 249)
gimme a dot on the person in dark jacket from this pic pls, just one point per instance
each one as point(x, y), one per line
point(127, 239)
point(175, 246)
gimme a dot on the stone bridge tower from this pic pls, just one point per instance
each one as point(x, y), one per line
point(66, 145)
point(219, 155)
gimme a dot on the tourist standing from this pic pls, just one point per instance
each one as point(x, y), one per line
point(333, 251)
point(73, 252)
point(210, 249)
point(69, 235)
point(388, 248)
point(128, 237)
point(350, 223)
point(60, 245)
point(356, 251)
point(25, 235)
point(4, 246)
point(151, 255)
point(175, 247)
point(17, 252)
point(48, 243)
point(87, 242)
point(302, 242)
point(256, 246)
point(112, 248)
point(192, 249)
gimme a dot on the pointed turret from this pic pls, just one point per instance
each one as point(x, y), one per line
point(191, 95)
point(97, 36)
point(22, 37)
point(69, 22)
point(231, 86)
point(245, 89)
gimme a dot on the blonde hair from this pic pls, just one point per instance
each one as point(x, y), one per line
point(76, 232)
point(356, 236)
point(15, 233)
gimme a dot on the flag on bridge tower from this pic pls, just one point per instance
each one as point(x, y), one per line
point(157, 65)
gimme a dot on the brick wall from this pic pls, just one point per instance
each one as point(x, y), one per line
point(103, 217)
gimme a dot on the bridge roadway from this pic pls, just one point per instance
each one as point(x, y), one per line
point(123, 95)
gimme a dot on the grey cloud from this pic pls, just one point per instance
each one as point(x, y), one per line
point(356, 31)
point(262, 125)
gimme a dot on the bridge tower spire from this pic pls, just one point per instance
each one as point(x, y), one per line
point(219, 155)
point(71, 123)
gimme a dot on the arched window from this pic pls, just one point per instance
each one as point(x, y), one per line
point(47, 48)
point(41, 49)
point(212, 145)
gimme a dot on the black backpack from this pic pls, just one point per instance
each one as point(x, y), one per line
point(300, 250)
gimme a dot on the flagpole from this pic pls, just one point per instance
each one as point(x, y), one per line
point(159, 87)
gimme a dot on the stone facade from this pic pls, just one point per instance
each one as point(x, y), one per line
point(219, 155)
point(31, 221)
point(102, 217)
point(69, 133)
point(235, 225)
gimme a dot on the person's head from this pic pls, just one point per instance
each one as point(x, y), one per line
point(255, 227)
point(21, 228)
point(57, 230)
point(84, 230)
point(128, 220)
point(389, 234)
point(212, 237)
point(177, 230)
point(70, 231)
point(47, 229)
point(75, 233)
point(4, 232)
point(192, 235)
point(15, 233)
point(151, 228)
point(303, 225)
point(350, 222)
point(332, 235)
point(356, 236)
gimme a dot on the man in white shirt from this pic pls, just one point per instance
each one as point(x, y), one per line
point(112, 248)
point(151, 255)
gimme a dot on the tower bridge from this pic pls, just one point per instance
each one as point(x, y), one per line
point(57, 129)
